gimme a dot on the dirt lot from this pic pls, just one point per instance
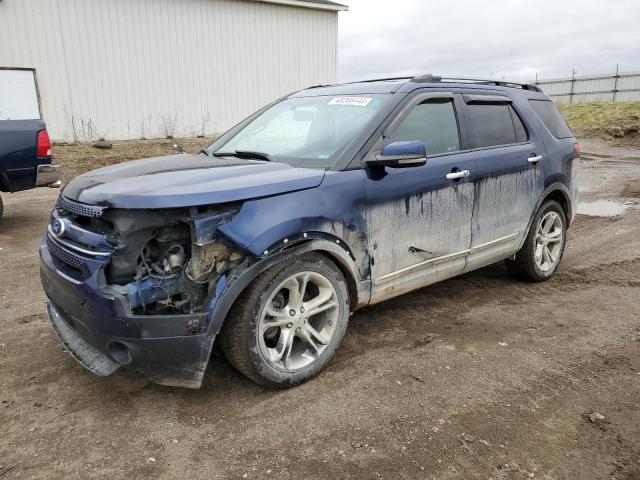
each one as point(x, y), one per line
point(481, 376)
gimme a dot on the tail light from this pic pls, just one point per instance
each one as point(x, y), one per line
point(43, 144)
point(577, 148)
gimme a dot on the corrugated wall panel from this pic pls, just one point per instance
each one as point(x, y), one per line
point(129, 66)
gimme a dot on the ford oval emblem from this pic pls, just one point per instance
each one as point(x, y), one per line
point(57, 227)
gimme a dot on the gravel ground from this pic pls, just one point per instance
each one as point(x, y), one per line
point(481, 376)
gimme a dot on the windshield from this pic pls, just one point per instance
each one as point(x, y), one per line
point(305, 132)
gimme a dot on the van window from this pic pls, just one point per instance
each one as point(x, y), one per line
point(494, 124)
point(551, 117)
point(434, 123)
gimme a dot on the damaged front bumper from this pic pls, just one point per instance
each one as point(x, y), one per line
point(99, 331)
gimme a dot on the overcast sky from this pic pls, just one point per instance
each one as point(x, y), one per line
point(500, 38)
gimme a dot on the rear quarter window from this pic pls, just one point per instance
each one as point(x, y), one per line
point(551, 117)
point(494, 124)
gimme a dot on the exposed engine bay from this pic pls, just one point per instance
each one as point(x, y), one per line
point(167, 261)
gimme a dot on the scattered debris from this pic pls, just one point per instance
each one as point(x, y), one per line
point(596, 417)
point(103, 145)
point(468, 438)
point(151, 459)
point(502, 344)
point(425, 340)
point(418, 378)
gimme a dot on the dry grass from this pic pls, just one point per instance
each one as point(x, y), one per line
point(78, 158)
point(618, 123)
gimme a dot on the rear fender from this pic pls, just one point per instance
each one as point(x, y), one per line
point(560, 188)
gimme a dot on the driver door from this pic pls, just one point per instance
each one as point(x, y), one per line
point(419, 218)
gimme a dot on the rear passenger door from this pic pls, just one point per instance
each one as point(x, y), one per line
point(509, 178)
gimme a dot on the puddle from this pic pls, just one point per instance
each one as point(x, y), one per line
point(602, 208)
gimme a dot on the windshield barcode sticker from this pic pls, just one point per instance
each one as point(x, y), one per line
point(358, 101)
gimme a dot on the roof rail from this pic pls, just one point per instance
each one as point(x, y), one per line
point(428, 78)
point(388, 79)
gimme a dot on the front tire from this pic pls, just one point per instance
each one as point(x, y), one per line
point(288, 323)
point(539, 257)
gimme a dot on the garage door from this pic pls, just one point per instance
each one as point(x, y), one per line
point(18, 94)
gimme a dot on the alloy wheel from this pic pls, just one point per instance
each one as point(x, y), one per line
point(548, 242)
point(298, 321)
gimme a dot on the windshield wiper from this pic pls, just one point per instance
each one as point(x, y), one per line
point(246, 154)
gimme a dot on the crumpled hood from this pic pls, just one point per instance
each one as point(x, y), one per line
point(187, 180)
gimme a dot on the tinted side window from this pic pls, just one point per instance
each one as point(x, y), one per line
point(491, 125)
point(434, 124)
point(550, 116)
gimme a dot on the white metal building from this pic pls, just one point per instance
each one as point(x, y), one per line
point(149, 68)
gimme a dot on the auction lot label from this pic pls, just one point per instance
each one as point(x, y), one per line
point(357, 101)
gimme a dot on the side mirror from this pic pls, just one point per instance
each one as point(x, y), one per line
point(400, 155)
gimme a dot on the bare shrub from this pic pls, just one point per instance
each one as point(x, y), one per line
point(169, 123)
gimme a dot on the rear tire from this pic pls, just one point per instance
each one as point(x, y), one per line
point(1, 207)
point(539, 257)
point(288, 323)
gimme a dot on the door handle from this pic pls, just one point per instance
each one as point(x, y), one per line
point(535, 159)
point(458, 174)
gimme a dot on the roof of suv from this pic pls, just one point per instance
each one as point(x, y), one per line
point(392, 85)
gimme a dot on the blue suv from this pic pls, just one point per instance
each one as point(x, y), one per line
point(323, 202)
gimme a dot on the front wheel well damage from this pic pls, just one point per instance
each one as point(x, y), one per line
point(352, 285)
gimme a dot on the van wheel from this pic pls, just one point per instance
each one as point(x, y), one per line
point(539, 257)
point(288, 323)
point(1, 207)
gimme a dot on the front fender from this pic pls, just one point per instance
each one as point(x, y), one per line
point(229, 289)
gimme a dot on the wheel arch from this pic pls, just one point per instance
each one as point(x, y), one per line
point(558, 192)
point(359, 290)
point(563, 197)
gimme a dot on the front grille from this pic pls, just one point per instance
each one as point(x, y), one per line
point(79, 208)
point(64, 255)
